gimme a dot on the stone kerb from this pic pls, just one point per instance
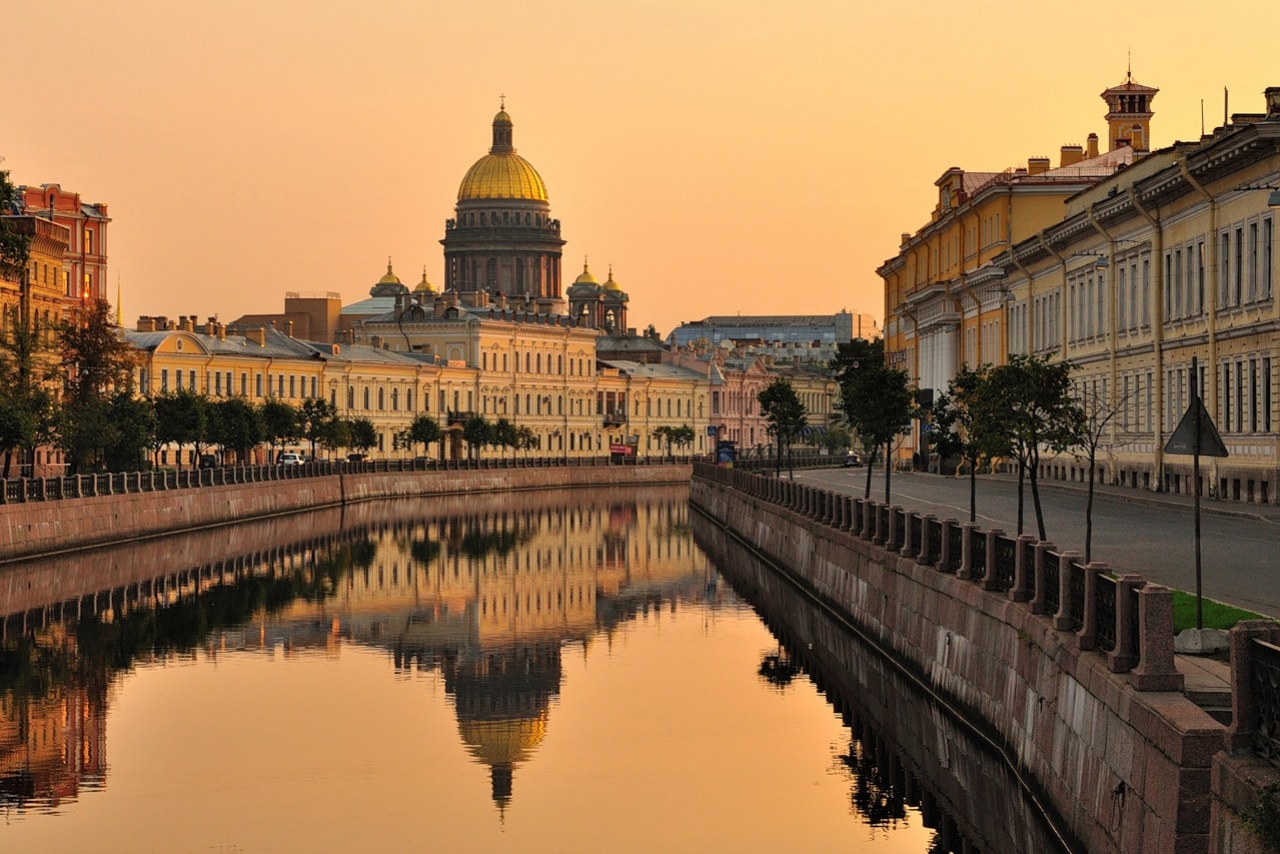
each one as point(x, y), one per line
point(1023, 568)
point(1087, 635)
point(1155, 670)
point(1044, 552)
point(989, 579)
point(1245, 708)
point(1125, 655)
point(1062, 620)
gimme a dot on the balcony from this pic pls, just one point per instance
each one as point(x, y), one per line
point(614, 419)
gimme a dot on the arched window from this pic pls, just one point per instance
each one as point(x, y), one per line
point(366, 398)
point(351, 397)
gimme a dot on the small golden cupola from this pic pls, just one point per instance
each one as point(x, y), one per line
point(390, 278)
point(610, 284)
point(585, 278)
point(424, 287)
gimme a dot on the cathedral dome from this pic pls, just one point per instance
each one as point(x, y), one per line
point(502, 174)
point(610, 284)
point(585, 277)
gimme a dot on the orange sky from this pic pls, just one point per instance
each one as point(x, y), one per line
point(725, 156)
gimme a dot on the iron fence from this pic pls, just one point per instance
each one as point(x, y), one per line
point(1006, 562)
point(899, 535)
point(1266, 684)
point(1075, 589)
point(1052, 584)
point(977, 553)
point(955, 547)
point(1104, 602)
point(932, 542)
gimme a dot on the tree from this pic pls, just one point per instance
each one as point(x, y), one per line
point(526, 439)
point(182, 418)
point(364, 435)
point(424, 430)
point(335, 435)
point(98, 363)
point(280, 425)
point(967, 423)
point(837, 440)
point(313, 415)
point(477, 433)
point(1095, 422)
point(1038, 415)
point(504, 435)
point(683, 436)
point(236, 425)
point(785, 414)
point(134, 428)
point(877, 400)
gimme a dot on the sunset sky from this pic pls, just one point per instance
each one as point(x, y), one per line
point(725, 156)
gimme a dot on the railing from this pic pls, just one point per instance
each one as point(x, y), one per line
point(1266, 686)
point(932, 542)
point(899, 519)
point(917, 536)
point(1029, 576)
point(955, 548)
point(1104, 602)
point(21, 490)
point(977, 553)
point(1075, 605)
point(1052, 584)
point(1006, 562)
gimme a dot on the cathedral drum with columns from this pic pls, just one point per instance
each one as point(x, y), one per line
point(502, 238)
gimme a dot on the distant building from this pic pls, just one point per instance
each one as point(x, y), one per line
point(792, 338)
point(84, 263)
point(313, 316)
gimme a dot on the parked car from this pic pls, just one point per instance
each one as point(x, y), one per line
point(209, 461)
point(356, 458)
point(852, 461)
point(289, 458)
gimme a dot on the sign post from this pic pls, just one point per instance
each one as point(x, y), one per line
point(1196, 435)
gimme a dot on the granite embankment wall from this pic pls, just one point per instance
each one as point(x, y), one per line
point(1125, 770)
point(41, 527)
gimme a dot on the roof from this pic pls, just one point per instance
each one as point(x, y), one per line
point(654, 371)
point(766, 320)
point(276, 344)
point(628, 343)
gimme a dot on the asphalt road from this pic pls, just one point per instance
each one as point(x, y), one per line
point(1240, 554)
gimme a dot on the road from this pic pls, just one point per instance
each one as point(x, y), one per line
point(1240, 554)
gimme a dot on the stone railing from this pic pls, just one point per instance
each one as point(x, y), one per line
point(1125, 619)
point(27, 489)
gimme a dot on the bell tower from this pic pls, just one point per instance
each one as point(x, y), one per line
point(1129, 114)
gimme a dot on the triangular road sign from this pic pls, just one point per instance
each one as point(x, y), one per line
point(1183, 439)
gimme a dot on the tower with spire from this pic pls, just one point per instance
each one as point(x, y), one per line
point(1129, 114)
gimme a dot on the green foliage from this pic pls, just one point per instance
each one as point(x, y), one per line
point(837, 440)
point(236, 425)
point(15, 248)
point(1216, 614)
point(334, 435)
point(99, 361)
point(674, 437)
point(313, 416)
point(877, 400)
point(784, 413)
point(503, 434)
point(526, 439)
point(1263, 818)
point(280, 423)
point(363, 434)
point(182, 418)
point(133, 421)
point(424, 430)
point(477, 433)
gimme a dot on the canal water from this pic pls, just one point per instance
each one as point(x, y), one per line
point(575, 671)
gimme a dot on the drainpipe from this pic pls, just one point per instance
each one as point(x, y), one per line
point(1211, 311)
point(1157, 333)
point(1111, 311)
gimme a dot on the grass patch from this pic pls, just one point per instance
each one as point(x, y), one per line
point(1216, 614)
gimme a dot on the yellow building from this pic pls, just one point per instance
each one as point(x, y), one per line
point(1171, 259)
point(944, 303)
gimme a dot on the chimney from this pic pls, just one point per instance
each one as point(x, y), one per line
point(288, 328)
point(1070, 155)
point(209, 326)
point(146, 324)
point(399, 302)
point(257, 335)
point(1091, 146)
point(438, 307)
point(1272, 94)
point(1037, 165)
point(222, 331)
point(170, 325)
point(185, 324)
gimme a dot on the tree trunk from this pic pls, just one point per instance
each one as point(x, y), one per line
point(1022, 473)
point(1088, 510)
point(1035, 499)
point(888, 449)
point(973, 490)
point(871, 462)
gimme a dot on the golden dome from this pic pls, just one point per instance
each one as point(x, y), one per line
point(424, 286)
point(505, 175)
point(390, 278)
point(502, 174)
point(585, 278)
point(610, 284)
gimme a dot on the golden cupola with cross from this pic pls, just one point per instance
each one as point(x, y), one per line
point(502, 238)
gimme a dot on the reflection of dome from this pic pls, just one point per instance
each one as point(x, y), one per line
point(502, 174)
point(505, 741)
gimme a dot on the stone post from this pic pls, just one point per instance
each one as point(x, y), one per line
point(868, 511)
point(967, 532)
point(1087, 636)
point(881, 529)
point(910, 524)
point(1244, 699)
point(1155, 670)
point(851, 519)
point(944, 553)
point(1062, 621)
point(923, 521)
point(829, 516)
point(1125, 655)
point(989, 581)
point(1040, 558)
point(891, 535)
point(1023, 567)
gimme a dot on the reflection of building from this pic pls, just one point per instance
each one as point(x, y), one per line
point(54, 744)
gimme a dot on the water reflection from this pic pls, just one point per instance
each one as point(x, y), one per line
point(487, 597)
point(904, 750)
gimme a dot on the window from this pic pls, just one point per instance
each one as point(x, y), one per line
point(164, 380)
point(1253, 261)
point(1224, 265)
point(1266, 393)
point(293, 390)
point(366, 397)
point(217, 383)
point(382, 399)
point(191, 377)
point(313, 386)
point(1238, 279)
point(1268, 238)
point(1200, 277)
point(1146, 291)
point(351, 397)
point(280, 385)
point(258, 384)
point(1226, 397)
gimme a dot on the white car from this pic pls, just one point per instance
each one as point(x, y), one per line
point(289, 458)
